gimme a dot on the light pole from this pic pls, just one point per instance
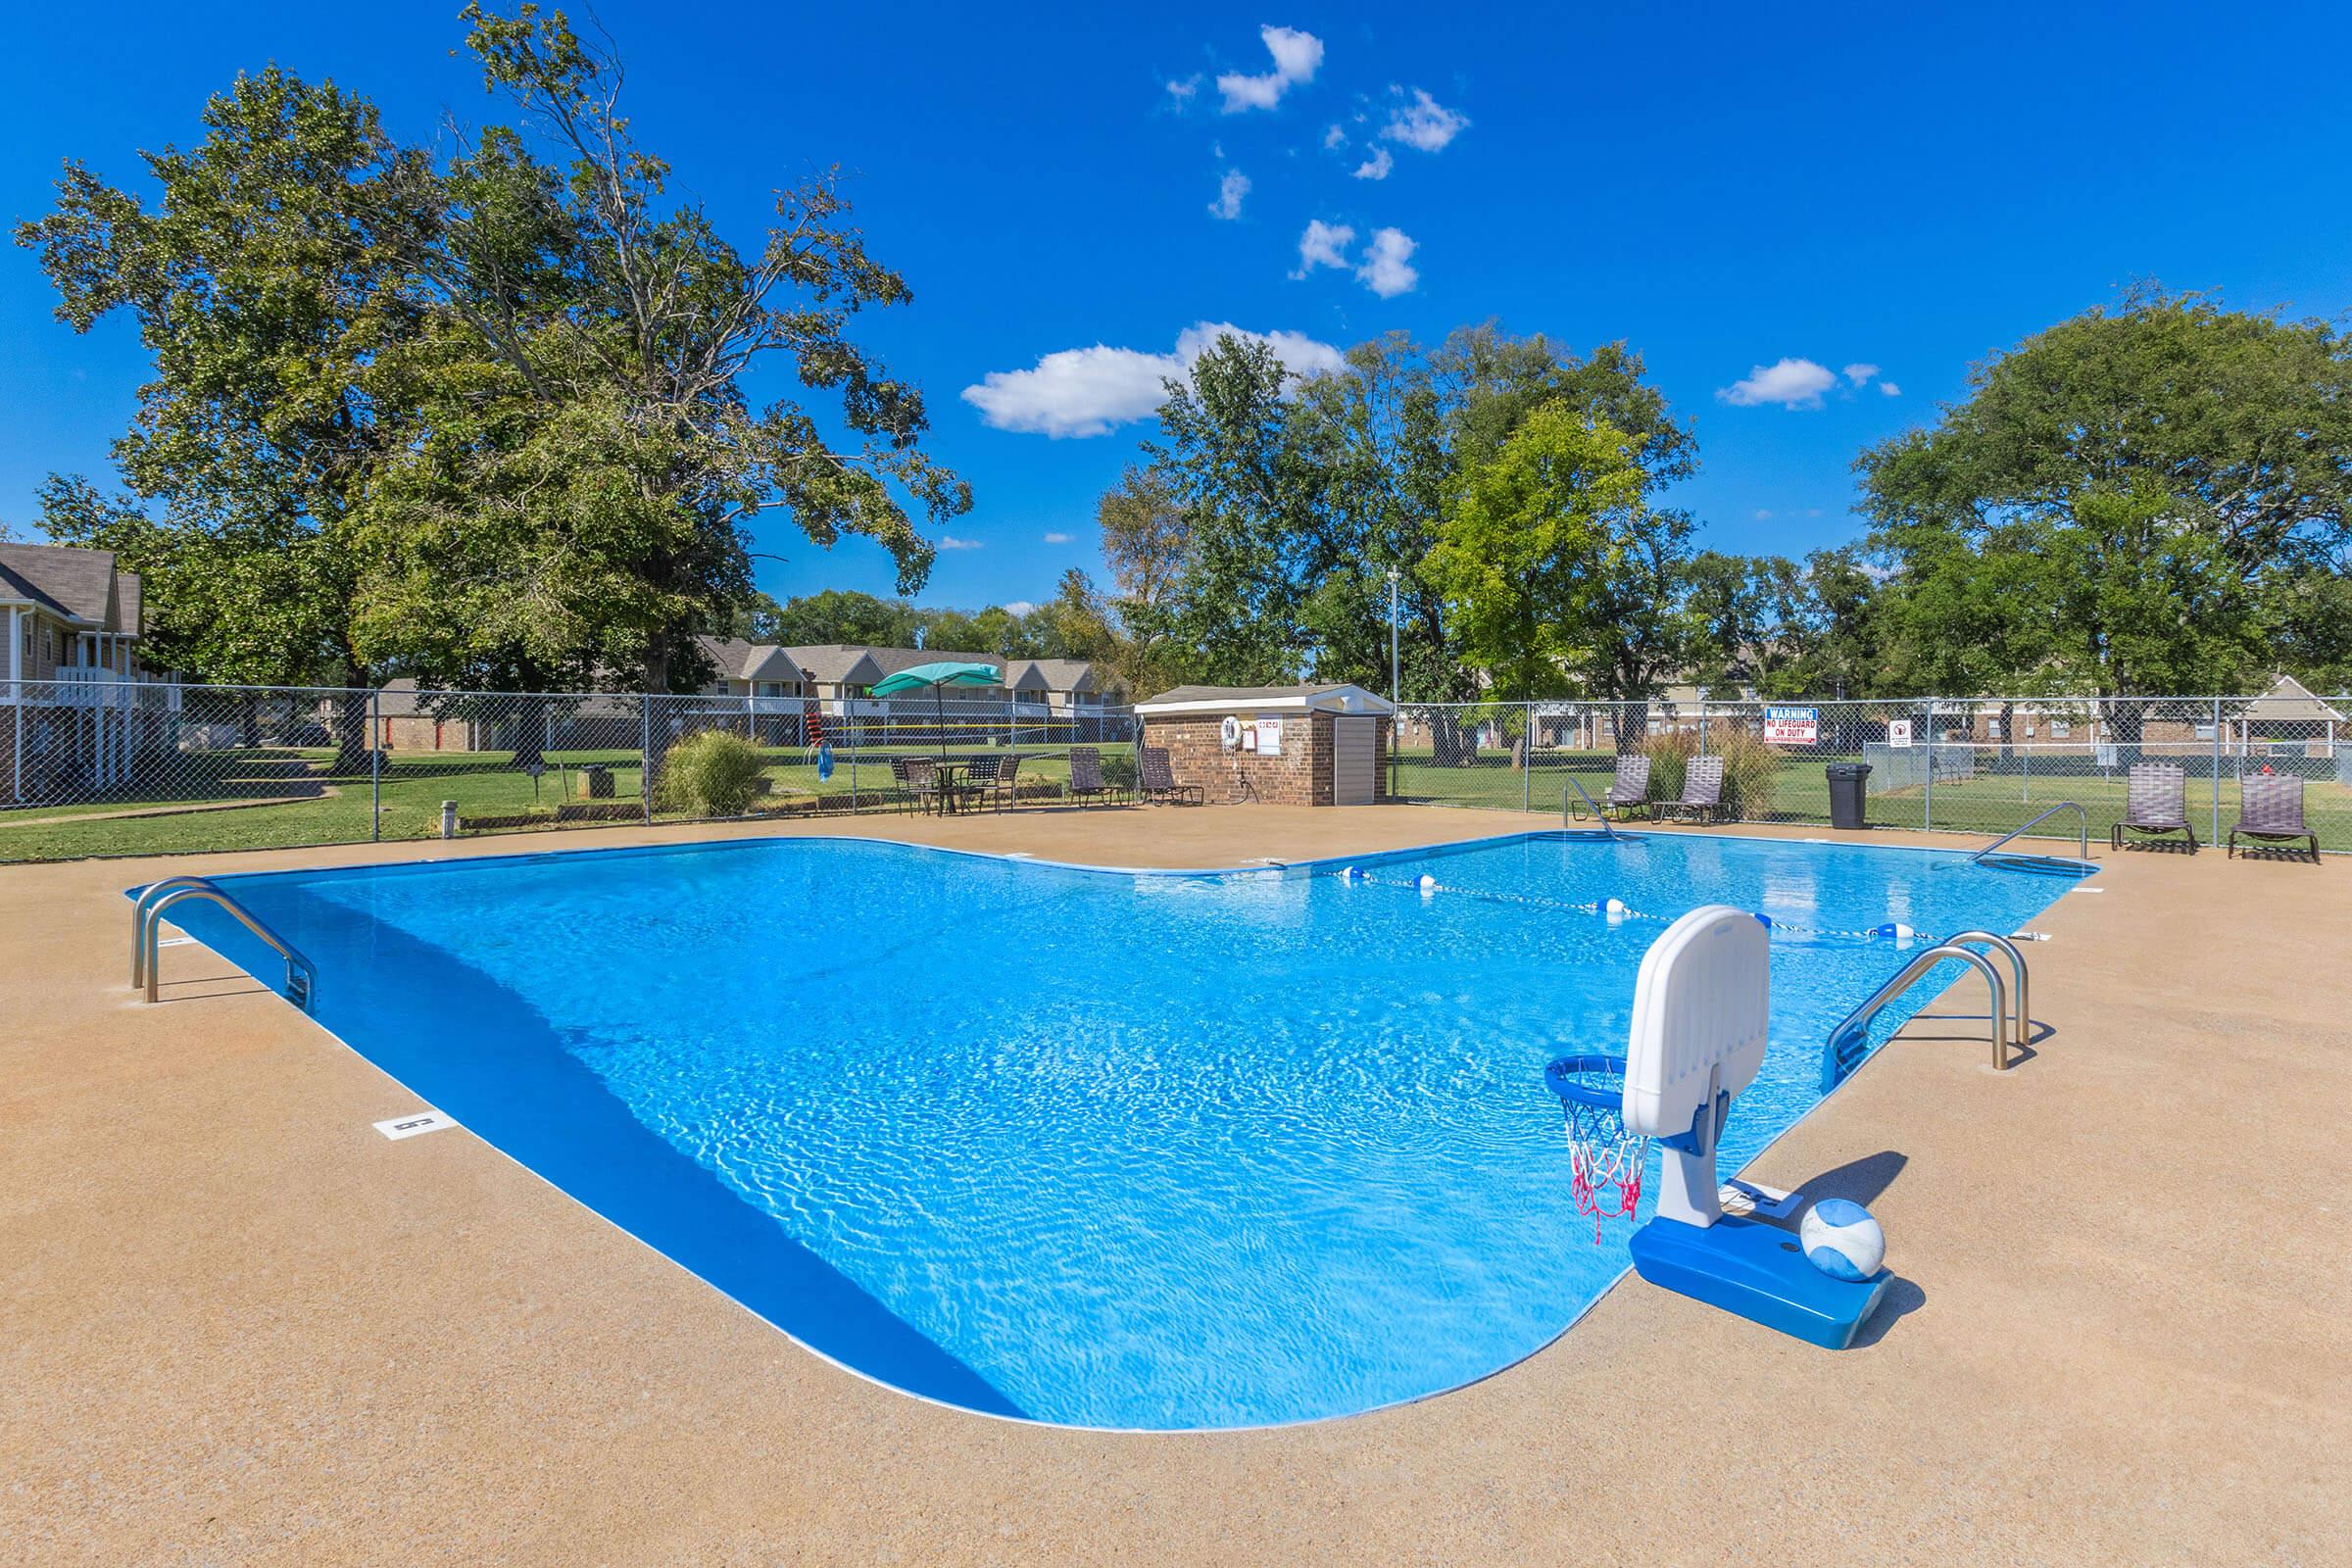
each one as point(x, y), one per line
point(1393, 691)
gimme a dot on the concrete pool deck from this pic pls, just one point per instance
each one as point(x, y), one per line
point(241, 1327)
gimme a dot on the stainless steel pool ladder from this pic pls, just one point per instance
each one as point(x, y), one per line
point(1850, 1041)
point(146, 924)
point(2075, 807)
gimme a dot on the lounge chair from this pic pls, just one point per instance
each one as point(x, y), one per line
point(1703, 792)
point(2271, 810)
point(2155, 801)
point(1630, 789)
point(1156, 780)
point(1004, 786)
point(1086, 777)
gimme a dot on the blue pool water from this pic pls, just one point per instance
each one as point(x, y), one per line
point(1096, 1147)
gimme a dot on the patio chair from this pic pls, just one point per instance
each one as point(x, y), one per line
point(1702, 793)
point(1004, 786)
point(2155, 801)
point(921, 776)
point(2271, 810)
point(1086, 778)
point(1156, 780)
point(901, 789)
point(1630, 788)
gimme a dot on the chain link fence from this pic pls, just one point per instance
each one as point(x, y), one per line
point(1979, 766)
point(153, 767)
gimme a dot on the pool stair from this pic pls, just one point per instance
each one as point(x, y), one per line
point(146, 926)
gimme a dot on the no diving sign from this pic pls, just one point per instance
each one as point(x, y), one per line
point(1792, 726)
point(417, 1121)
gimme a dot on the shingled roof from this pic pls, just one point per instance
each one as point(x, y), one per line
point(83, 584)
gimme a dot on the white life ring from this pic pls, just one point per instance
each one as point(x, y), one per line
point(1229, 733)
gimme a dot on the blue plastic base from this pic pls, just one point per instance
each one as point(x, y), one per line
point(1757, 1273)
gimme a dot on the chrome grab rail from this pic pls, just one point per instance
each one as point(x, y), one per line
point(1849, 1041)
point(1606, 831)
point(147, 919)
point(138, 920)
point(2017, 968)
point(2063, 805)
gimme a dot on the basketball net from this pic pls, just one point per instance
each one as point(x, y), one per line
point(1604, 1160)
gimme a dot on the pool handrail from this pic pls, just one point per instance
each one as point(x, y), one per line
point(2017, 965)
point(302, 975)
point(2075, 807)
point(138, 920)
point(1606, 831)
point(1848, 1042)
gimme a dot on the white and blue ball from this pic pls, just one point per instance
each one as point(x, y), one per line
point(1428, 884)
point(1843, 1239)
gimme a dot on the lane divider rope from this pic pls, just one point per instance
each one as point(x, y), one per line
point(1619, 910)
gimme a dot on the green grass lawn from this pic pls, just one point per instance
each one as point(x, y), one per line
point(310, 804)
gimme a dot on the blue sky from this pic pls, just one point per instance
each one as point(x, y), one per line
point(1897, 189)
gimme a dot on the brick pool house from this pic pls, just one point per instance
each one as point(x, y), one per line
point(1307, 744)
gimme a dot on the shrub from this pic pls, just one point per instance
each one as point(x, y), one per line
point(1119, 769)
point(1751, 769)
point(715, 774)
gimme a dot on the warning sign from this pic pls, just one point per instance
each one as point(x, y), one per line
point(1792, 726)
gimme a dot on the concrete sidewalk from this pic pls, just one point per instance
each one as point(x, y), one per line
point(241, 1327)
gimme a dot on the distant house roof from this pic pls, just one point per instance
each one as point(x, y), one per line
point(2289, 702)
point(1053, 674)
point(82, 584)
point(1329, 698)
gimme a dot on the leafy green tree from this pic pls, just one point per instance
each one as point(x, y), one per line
point(1546, 541)
point(845, 615)
point(1226, 448)
point(2125, 503)
point(270, 284)
point(591, 485)
point(1147, 540)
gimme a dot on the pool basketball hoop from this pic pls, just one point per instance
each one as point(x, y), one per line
point(1604, 1159)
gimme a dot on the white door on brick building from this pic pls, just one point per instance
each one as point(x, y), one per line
point(1351, 772)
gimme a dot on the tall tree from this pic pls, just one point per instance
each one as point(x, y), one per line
point(594, 484)
point(272, 290)
point(1227, 448)
point(2137, 488)
point(1543, 560)
point(1147, 540)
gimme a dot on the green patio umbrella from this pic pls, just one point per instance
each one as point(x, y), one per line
point(947, 672)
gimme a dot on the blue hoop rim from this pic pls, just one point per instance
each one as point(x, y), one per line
point(1560, 1076)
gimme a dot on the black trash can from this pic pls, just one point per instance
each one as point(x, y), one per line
point(1848, 783)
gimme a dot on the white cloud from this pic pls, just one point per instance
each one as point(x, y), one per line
point(1333, 140)
point(1860, 374)
point(948, 541)
point(1297, 57)
point(1088, 392)
point(1230, 191)
point(1763, 513)
point(1424, 123)
point(1891, 390)
point(1377, 166)
point(1058, 538)
point(1183, 88)
point(1387, 271)
point(1791, 383)
point(1323, 245)
point(1021, 607)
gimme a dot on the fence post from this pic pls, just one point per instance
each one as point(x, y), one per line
point(849, 733)
point(1527, 760)
point(1928, 807)
point(2217, 773)
point(375, 766)
point(644, 755)
point(1702, 726)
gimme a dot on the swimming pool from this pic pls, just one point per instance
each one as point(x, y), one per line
point(1109, 1149)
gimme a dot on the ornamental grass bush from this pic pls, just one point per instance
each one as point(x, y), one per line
point(714, 773)
point(1751, 769)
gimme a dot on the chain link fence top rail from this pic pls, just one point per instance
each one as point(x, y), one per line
point(1977, 765)
point(151, 767)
